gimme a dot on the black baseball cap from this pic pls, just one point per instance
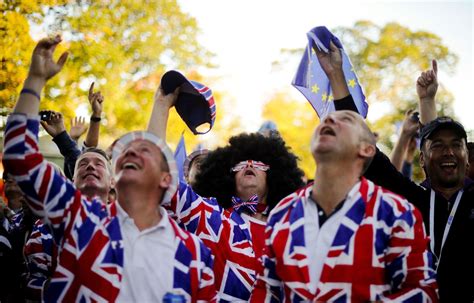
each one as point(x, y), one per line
point(442, 123)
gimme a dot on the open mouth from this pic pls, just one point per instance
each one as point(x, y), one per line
point(249, 172)
point(130, 165)
point(448, 166)
point(327, 131)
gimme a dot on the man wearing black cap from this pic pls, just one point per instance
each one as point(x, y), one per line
point(446, 201)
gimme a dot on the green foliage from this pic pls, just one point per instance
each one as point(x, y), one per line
point(388, 59)
point(124, 46)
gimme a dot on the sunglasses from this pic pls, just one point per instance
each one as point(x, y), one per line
point(255, 164)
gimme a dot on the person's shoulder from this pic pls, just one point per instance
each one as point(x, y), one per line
point(288, 203)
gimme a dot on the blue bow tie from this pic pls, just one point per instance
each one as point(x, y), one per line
point(249, 206)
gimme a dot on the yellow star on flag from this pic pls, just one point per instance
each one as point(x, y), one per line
point(324, 97)
point(352, 83)
point(330, 98)
point(315, 89)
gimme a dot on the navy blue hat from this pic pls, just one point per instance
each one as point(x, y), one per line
point(442, 123)
point(195, 103)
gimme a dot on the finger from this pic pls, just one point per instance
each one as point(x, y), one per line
point(421, 81)
point(434, 65)
point(62, 59)
point(409, 112)
point(46, 43)
point(333, 47)
point(83, 120)
point(91, 89)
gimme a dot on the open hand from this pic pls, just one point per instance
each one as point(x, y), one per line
point(42, 65)
point(78, 128)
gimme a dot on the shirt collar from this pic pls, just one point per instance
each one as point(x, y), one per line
point(123, 217)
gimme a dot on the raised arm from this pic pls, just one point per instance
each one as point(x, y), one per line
point(409, 129)
point(42, 68)
point(160, 113)
point(78, 128)
point(331, 63)
point(49, 195)
point(426, 87)
point(95, 99)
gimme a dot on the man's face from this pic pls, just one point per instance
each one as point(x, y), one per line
point(195, 169)
point(141, 162)
point(338, 135)
point(92, 175)
point(250, 176)
point(444, 158)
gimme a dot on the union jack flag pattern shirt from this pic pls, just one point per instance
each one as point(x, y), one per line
point(378, 252)
point(88, 233)
point(228, 236)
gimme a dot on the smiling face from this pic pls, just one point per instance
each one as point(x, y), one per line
point(444, 158)
point(142, 163)
point(92, 175)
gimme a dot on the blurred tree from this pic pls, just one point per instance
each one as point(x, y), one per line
point(388, 59)
point(296, 122)
point(124, 46)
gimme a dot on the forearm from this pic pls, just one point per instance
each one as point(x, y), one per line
point(158, 120)
point(68, 148)
point(398, 152)
point(427, 110)
point(92, 137)
point(48, 194)
point(338, 85)
point(28, 103)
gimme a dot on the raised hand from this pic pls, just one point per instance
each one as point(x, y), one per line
point(42, 65)
point(330, 62)
point(168, 100)
point(427, 82)
point(78, 128)
point(410, 124)
point(55, 125)
point(95, 99)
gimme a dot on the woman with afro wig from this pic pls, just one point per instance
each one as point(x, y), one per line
point(242, 181)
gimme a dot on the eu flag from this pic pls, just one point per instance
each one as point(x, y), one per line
point(180, 157)
point(313, 83)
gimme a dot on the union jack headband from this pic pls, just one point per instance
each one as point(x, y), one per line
point(126, 139)
point(252, 163)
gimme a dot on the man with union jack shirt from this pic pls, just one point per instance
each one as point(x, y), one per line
point(343, 238)
point(246, 178)
point(127, 251)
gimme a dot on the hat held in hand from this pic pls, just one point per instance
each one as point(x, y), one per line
point(195, 103)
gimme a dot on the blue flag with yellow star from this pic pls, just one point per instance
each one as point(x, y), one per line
point(313, 83)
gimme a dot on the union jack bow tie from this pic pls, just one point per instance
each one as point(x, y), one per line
point(249, 206)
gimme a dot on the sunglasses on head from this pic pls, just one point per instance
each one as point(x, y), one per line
point(255, 164)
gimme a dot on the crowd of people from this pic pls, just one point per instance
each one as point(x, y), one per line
point(120, 225)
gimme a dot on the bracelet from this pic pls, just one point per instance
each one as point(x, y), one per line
point(95, 119)
point(31, 92)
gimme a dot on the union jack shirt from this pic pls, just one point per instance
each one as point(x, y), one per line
point(379, 252)
point(90, 251)
point(228, 236)
point(40, 252)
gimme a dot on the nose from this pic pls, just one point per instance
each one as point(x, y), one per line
point(329, 119)
point(448, 150)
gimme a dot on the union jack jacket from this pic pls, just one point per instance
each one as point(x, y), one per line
point(90, 251)
point(379, 253)
point(226, 234)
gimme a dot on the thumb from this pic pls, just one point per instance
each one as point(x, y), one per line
point(62, 59)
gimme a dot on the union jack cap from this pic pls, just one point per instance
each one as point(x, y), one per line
point(121, 143)
point(195, 103)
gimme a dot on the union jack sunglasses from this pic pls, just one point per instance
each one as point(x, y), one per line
point(255, 164)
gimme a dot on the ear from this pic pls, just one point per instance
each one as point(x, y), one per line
point(165, 180)
point(366, 150)
point(422, 159)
